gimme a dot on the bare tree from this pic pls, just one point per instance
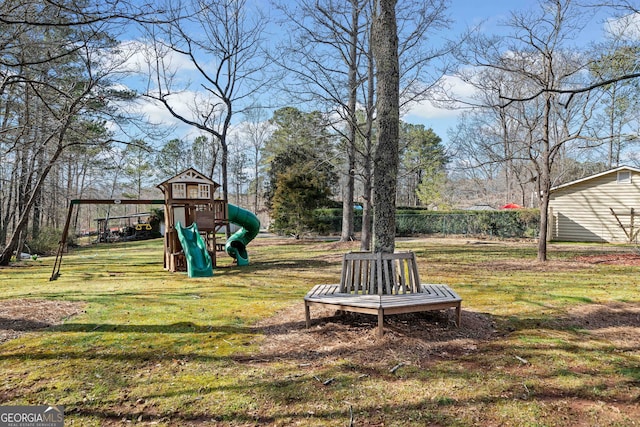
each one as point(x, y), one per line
point(222, 42)
point(421, 65)
point(258, 130)
point(491, 137)
point(324, 55)
point(615, 122)
point(538, 57)
point(624, 27)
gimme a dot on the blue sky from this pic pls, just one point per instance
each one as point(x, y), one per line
point(489, 15)
point(464, 14)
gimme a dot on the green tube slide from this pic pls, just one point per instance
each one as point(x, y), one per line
point(236, 245)
point(199, 262)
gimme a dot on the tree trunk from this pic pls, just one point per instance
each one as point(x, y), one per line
point(385, 160)
point(544, 179)
point(367, 211)
point(225, 180)
point(347, 206)
point(544, 220)
point(256, 172)
point(544, 189)
point(5, 255)
point(349, 190)
point(348, 196)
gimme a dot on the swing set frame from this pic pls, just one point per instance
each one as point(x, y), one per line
point(76, 202)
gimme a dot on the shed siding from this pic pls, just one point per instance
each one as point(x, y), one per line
point(581, 212)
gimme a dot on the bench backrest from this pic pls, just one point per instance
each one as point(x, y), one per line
point(379, 273)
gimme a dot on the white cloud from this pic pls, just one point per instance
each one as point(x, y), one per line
point(139, 55)
point(442, 108)
point(158, 114)
point(427, 110)
point(624, 27)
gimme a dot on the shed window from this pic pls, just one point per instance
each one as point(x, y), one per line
point(624, 177)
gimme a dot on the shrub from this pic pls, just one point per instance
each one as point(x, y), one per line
point(46, 242)
point(329, 220)
point(517, 223)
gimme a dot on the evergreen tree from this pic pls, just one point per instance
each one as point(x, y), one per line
point(137, 167)
point(294, 127)
point(431, 189)
point(300, 172)
point(421, 154)
point(173, 158)
point(299, 183)
point(56, 94)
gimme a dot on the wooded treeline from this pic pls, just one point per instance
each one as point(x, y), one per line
point(288, 123)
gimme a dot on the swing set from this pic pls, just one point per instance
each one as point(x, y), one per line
point(189, 204)
point(76, 202)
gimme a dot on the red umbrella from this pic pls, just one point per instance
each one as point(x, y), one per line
point(511, 206)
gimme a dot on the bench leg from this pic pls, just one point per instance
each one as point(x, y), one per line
point(307, 315)
point(380, 323)
point(458, 314)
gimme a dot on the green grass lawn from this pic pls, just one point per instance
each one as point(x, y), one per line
point(157, 348)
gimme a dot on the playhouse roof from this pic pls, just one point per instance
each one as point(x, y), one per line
point(189, 176)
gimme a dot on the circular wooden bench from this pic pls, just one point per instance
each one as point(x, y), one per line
point(381, 283)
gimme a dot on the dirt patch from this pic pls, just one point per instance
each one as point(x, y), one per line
point(575, 264)
point(613, 259)
point(618, 323)
point(412, 336)
point(18, 316)
point(528, 265)
point(597, 316)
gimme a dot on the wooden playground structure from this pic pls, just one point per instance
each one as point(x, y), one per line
point(189, 198)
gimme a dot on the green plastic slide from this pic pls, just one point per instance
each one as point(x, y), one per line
point(236, 245)
point(195, 250)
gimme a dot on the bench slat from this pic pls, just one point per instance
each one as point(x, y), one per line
point(413, 268)
point(387, 278)
point(372, 277)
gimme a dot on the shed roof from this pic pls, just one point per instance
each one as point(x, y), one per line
point(598, 175)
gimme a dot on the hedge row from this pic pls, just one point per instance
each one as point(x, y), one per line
point(516, 223)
